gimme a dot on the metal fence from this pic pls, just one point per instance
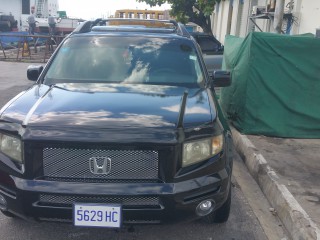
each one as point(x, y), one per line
point(28, 48)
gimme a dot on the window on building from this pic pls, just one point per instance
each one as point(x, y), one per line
point(25, 6)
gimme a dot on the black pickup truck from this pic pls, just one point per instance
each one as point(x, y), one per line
point(121, 126)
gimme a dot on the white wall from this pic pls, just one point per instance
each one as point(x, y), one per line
point(224, 23)
point(306, 12)
point(50, 7)
point(244, 22)
point(218, 19)
point(235, 17)
point(308, 16)
point(53, 7)
point(13, 6)
point(221, 15)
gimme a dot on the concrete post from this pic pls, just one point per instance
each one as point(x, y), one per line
point(278, 15)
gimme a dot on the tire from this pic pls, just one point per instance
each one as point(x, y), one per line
point(8, 214)
point(221, 215)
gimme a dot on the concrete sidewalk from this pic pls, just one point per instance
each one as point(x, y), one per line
point(288, 172)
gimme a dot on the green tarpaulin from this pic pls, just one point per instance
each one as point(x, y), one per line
point(276, 84)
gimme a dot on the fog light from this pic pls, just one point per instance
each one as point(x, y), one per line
point(205, 207)
point(3, 203)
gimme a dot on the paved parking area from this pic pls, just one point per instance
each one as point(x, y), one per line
point(287, 171)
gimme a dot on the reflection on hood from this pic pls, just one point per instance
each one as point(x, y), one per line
point(110, 106)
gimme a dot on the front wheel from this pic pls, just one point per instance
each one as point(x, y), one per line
point(222, 214)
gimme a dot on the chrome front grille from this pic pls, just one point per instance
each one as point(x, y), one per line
point(121, 164)
point(124, 200)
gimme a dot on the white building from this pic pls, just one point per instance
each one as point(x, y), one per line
point(21, 9)
point(234, 17)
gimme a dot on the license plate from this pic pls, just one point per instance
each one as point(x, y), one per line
point(97, 215)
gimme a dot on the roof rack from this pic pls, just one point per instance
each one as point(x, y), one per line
point(131, 29)
point(87, 26)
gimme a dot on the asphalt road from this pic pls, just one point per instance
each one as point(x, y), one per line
point(242, 224)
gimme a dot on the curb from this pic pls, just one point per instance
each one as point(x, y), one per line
point(293, 216)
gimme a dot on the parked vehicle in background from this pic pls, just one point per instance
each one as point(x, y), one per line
point(7, 23)
point(212, 50)
point(122, 126)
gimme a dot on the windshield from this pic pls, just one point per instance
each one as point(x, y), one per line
point(125, 59)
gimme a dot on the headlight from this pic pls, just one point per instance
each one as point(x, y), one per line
point(11, 146)
point(200, 150)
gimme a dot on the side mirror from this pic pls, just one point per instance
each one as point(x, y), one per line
point(33, 72)
point(220, 79)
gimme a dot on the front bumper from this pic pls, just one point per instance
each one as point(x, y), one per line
point(176, 201)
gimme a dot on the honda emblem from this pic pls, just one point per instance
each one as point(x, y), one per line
point(100, 165)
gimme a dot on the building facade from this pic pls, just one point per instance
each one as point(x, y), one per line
point(21, 9)
point(142, 14)
point(239, 17)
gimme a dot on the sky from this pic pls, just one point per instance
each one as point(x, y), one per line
point(92, 9)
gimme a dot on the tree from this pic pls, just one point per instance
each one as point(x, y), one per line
point(195, 11)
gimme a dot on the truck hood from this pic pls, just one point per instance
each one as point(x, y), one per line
point(108, 106)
